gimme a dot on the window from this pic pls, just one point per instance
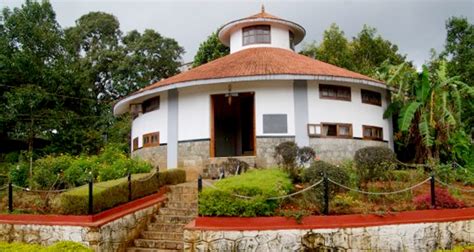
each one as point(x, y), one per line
point(258, 34)
point(292, 40)
point(372, 132)
point(335, 92)
point(151, 104)
point(371, 97)
point(341, 130)
point(151, 139)
point(314, 130)
point(135, 144)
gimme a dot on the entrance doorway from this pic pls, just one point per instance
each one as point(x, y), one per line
point(232, 125)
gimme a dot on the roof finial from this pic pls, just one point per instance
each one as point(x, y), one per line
point(263, 8)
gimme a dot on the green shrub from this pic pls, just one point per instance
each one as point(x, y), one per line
point(292, 158)
point(19, 173)
point(114, 192)
point(373, 163)
point(81, 170)
point(63, 246)
point(259, 184)
point(47, 171)
point(316, 172)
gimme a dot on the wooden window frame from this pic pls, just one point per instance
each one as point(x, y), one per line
point(147, 139)
point(370, 92)
point(257, 32)
point(135, 144)
point(364, 127)
point(146, 109)
point(314, 127)
point(338, 125)
point(332, 97)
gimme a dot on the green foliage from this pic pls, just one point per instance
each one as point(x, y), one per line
point(210, 50)
point(364, 54)
point(316, 172)
point(259, 184)
point(57, 84)
point(66, 171)
point(344, 204)
point(19, 174)
point(62, 246)
point(374, 163)
point(115, 192)
point(292, 158)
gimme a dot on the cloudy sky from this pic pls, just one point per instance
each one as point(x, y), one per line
point(414, 25)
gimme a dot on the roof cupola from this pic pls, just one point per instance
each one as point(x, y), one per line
point(261, 30)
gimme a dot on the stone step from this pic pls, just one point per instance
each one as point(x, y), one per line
point(165, 227)
point(136, 249)
point(159, 244)
point(178, 211)
point(182, 205)
point(156, 235)
point(182, 197)
point(173, 219)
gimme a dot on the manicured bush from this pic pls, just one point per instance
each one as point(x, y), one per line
point(292, 158)
point(63, 246)
point(114, 192)
point(48, 170)
point(259, 184)
point(373, 163)
point(443, 200)
point(315, 173)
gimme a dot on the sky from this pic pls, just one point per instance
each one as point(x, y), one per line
point(415, 26)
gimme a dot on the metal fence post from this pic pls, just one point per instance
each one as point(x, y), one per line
point(10, 197)
point(91, 197)
point(129, 186)
point(326, 194)
point(433, 192)
point(199, 183)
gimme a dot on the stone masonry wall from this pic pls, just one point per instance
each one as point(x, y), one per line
point(405, 237)
point(339, 149)
point(193, 156)
point(113, 236)
point(266, 148)
point(156, 155)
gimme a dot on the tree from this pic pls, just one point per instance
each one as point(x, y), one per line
point(459, 49)
point(369, 51)
point(334, 49)
point(364, 54)
point(210, 50)
point(430, 112)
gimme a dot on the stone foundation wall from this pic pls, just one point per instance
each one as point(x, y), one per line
point(156, 155)
point(405, 237)
point(113, 236)
point(266, 148)
point(338, 149)
point(193, 156)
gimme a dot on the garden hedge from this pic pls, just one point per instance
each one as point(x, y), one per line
point(259, 184)
point(63, 246)
point(115, 192)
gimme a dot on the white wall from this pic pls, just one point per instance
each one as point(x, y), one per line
point(280, 38)
point(271, 97)
point(153, 121)
point(354, 112)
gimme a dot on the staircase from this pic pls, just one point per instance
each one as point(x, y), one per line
point(165, 232)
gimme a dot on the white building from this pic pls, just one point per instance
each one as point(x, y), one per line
point(247, 102)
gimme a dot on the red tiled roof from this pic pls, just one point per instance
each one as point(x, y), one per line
point(260, 61)
point(263, 15)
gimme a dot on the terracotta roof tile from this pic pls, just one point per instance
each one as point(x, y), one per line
point(260, 61)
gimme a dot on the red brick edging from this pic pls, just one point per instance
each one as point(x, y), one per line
point(338, 221)
point(95, 220)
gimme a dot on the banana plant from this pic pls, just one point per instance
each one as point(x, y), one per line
point(430, 110)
